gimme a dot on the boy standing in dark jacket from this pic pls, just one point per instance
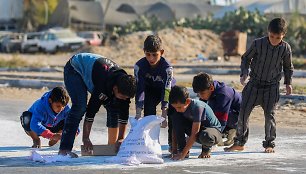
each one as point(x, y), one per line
point(109, 86)
point(266, 58)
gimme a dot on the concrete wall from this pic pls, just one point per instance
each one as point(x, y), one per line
point(11, 9)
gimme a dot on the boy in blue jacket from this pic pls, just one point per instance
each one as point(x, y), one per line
point(46, 117)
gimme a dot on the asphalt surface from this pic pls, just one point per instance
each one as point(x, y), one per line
point(290, 156)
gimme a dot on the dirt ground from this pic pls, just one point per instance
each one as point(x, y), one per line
point(289, 113)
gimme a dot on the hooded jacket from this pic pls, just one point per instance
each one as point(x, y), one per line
point(43, 116)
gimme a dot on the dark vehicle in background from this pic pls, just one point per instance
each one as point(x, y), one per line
point(11, 43)
point(93, 38)
point(30, 42)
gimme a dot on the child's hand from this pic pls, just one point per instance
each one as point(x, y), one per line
point(243, 79)
point(164, 124)
point(177, 157)
point(118, 144)
point(88, 146)
point(56, 137)
point(288, 89)
point(138, 113)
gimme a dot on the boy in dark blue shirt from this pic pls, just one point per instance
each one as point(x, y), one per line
point(196, 119)
point(154, 78)
point(46, 117)
point(223, 100)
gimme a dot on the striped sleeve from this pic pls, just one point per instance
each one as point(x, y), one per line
point(166, 91)
point(246, 59)
point(288, 66)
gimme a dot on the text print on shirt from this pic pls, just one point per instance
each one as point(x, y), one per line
point(155, 79)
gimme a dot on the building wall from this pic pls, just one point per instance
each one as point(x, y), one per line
point(11, 10)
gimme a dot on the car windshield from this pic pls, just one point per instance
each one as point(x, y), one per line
point(65, 34)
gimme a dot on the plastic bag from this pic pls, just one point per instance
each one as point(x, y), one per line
point(141, 146)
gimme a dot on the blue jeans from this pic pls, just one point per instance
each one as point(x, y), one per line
point(78, 93)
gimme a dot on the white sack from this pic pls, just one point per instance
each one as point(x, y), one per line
point(141, 146)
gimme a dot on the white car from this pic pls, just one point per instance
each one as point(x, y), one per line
point(30, 42)
point(60, 39)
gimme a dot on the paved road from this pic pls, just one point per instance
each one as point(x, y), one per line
point(290, 156)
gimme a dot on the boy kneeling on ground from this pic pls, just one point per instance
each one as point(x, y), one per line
point(196, 119)
point(46, 117)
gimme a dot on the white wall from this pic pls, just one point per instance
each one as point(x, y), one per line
point(11, 9)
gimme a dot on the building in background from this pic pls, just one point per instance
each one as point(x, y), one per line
point(11, 14)
point(78, 15)
point(267, 7)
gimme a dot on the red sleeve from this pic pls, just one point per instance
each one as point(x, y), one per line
point(47, 134)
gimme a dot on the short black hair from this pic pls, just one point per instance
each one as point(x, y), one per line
point(278, 26)
point(126, 85)
point(178, 94)
point(152, 43)
point(201, 82)
point(59, 94)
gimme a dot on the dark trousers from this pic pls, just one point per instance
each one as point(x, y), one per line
point(207, 136)
point(152, 99)
point(252, 95)
point(232, 120)
point(77, 91)
point(25, 120)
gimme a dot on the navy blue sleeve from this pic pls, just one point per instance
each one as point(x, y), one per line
point(140, 81)
point(221, 110)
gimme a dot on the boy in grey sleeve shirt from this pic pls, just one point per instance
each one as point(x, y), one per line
point(266, 59)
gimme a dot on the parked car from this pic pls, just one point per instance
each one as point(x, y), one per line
point(30, 42)
point(92, 37)
point(60, 39)
point(11, 43)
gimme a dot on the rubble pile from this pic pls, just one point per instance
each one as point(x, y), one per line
point(179, 44)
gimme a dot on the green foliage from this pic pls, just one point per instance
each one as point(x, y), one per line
point(296, 34)
point(246, 21)
point(254, 23)
point(35, 11)
point(144, 24)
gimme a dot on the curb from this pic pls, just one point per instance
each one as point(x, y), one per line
point(37, 84)
point(289, 97)
point(44, 69)
point(193, 69)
